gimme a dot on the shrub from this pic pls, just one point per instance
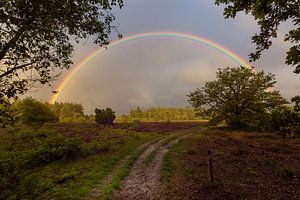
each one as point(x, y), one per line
point(13, 182)
point(56, 147)
point(286, 121)
point(10, 175)
point(104, 116)
point(31, 111)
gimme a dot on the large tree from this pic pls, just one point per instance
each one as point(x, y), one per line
point(239, 96)
point(37, 37)
point(270, 14)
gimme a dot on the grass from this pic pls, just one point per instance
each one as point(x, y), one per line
point(124, 170)
point(70, 178)
point(168, 167)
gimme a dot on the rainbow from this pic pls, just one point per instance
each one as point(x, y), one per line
point(179, 36)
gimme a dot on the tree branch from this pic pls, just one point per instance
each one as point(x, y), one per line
point(16, 68)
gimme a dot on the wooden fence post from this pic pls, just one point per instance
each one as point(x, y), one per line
point(210, 168)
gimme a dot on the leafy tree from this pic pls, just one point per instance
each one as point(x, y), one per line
point(104, 116)
point(296, 101)
point(269, 15)
point(37, 37)
point(71, 112)
point(31, 111)
point(239, 96)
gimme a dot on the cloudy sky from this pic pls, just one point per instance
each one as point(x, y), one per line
point(161, 71)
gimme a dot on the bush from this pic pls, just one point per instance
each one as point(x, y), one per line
point(285, 121)
point(56, 147)
point(31, 111)
point(10, 175)
point(104, 116)
point(13, 182)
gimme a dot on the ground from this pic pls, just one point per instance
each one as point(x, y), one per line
point(146, 161)
point(247, 165)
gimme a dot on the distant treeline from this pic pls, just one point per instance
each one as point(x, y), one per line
point(159, 114)
point(32, 111)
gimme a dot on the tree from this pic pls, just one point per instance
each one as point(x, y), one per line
point(296, 101)
point(7, 113)
point(239, 96)
point(104, 116)
point(71, 112)
point(37, 38)
point(31, 111)
point(270, 14)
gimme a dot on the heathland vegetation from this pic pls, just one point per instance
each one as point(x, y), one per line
point(56, 151)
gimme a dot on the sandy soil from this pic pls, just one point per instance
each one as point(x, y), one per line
point(144, 180)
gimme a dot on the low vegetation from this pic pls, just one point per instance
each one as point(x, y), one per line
point(63, 161)
point(247, 165)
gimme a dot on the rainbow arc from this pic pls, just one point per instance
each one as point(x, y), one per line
point(179, 36)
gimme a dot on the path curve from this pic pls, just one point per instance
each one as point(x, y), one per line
point(144, 180)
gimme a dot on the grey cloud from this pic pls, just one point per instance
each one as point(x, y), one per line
point(160, 72)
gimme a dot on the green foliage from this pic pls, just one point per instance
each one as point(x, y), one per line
point(45, 146)
point(270, 14)
point(56, 147)
point(32, 149)
point(239, 96)
point(7, 113)
point(70, 112)
point(31, 111)
point(285, 120)
point(160, 114)
point(37, 37)
point(104, 116)
point(9, 175)
point(42, 163)
point(296, 101)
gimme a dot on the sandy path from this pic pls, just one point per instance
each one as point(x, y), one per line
point(98, 190)
point(143, 180)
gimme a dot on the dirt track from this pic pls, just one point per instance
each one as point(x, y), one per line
point(143, 181)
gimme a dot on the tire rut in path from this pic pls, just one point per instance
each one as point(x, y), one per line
point(97, 192)
point(143, 181)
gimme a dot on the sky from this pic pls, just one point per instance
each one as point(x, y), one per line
point(160, 72)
